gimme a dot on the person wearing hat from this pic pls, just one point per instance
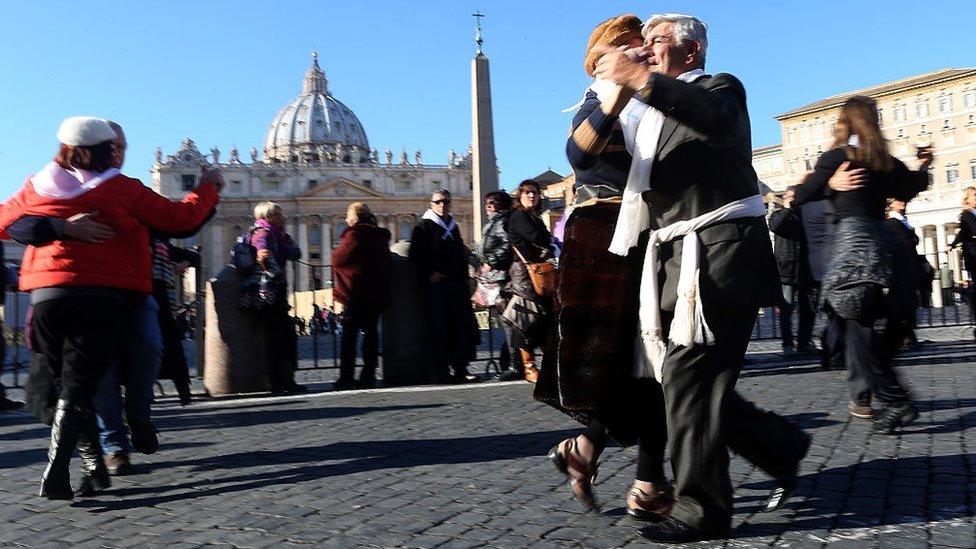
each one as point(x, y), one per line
point(588, 369)
point(80, 289)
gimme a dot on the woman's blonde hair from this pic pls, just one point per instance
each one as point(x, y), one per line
point(360, 212)
point(267, 210)
point(968, 197)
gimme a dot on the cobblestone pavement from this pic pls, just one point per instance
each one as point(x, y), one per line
point(465, 466)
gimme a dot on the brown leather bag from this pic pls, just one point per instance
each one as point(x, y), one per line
point(542, 275)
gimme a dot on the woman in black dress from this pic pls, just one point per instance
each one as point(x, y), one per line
point(858, 175)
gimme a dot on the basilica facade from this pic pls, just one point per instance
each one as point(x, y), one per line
point(316, 160)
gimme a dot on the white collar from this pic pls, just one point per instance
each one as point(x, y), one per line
point(691, 75)
point(53, 181)
point(448, 227)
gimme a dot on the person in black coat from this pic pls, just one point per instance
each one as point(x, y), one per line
point(702, 164)
point(790, 249)
point(966, 238)
point(858, 175)
point(903, 298)
point(441, 260)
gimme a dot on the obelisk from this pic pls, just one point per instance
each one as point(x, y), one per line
point(484, 167)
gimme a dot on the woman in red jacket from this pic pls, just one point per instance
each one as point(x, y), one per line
point(362, 268)
point(78, 289)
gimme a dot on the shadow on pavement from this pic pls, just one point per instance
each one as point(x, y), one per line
point(248, 418)
point(303, 464)
point(873, 493)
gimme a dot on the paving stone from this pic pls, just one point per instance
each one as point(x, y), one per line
point(435, 467)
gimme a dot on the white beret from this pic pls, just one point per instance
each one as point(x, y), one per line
point(84, 131)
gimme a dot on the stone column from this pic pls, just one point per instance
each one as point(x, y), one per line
point(932, 257)
point(216, 252)
point(326, 253)
point(291, 227)
point(306, 257)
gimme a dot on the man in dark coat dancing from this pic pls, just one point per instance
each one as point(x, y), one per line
point(708, 219)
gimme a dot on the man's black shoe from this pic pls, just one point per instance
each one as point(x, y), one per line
point(786, 486)
point(893, 416)
point(511, 375)
point(672, 530)
point(7, 405)
point(144, 437)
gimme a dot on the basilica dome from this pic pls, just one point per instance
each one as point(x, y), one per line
point(316, 127)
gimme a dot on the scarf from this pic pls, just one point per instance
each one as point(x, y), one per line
point(53, 181)
point(448, 227)
point(688, 326)
point(642, 130)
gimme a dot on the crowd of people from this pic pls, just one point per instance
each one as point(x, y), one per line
point(664, 261)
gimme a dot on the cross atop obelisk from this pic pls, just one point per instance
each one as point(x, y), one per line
point(484, 168)
point(477, 28)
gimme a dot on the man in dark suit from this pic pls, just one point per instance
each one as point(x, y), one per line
point(703, 164)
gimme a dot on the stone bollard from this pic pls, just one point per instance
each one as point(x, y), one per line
point(404, 352)
point(234, 340)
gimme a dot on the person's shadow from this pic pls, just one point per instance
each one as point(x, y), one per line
point(304, 464)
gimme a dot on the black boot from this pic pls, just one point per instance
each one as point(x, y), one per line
point(94, 476)
point(56, 482)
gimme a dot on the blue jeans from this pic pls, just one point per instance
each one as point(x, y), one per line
point(136, 365)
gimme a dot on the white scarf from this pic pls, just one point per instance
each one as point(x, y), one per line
point(688, 326)
point(448, 227)
point(53, 181)
point(642, 131)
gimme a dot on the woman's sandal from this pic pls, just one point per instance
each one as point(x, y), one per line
point(582, 485)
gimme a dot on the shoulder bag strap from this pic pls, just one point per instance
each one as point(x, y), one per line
point(518, 253)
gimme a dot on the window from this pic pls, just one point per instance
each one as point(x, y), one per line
point(972, 170)
point(315, 255)
point(314, 235)
point(901, 133)
point(969, 98)
point(945, 125)
point(952, 174)
point(880, 116)
point(235, 185)
point(404, 185)
point(312, 183)
point(921, 107)
point(808, 164)
point(923, 130)
point(189, 182)
point(368, 183)
point(337, 234)
point(271, 185)
point(945, 104)
point(406, 229)
point(900, 115)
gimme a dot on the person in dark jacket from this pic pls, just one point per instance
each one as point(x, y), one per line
point(441, 260)
point(362, 284)
point(6, 405)
point(966, 238)
point(531, 243)
point(790, 249)
point(818, 222)
point(495, 258)
point(858, 175)
point(168, 262)
point(903, 297)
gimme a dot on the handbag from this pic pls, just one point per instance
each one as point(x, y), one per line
point(542, 275)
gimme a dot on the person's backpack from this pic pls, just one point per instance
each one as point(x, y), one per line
point(243, 256)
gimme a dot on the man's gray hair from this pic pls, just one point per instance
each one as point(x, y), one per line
point(687, 28)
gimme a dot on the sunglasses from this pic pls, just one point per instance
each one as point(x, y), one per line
point(441, 201)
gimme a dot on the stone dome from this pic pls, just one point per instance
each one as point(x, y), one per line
point(316, 127)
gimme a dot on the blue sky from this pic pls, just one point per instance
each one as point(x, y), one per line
point(218, 71)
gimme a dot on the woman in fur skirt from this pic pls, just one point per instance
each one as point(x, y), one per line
point(589, 365)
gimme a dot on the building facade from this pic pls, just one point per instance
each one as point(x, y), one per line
point(937, 109)
point(316, 161)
